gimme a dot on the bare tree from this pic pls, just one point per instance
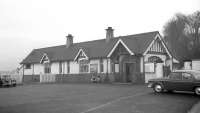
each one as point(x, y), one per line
point(193, 25)
point(182, 33)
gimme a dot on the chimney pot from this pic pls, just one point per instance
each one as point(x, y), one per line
point(109, 34)
point(69, 40)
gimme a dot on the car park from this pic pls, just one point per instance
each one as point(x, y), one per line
point(180, 80)
point(7, 81)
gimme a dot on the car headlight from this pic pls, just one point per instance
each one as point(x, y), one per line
point(150, 84)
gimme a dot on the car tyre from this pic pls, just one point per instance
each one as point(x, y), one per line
point(14, 85)
point(197, 90)
point(158, 88)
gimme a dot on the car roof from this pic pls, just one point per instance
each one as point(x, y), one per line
point(193, 71)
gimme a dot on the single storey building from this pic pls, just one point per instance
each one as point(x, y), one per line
point(133, 58)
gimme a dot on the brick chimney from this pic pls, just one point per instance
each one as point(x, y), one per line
point(69, 40)
point(109, 34)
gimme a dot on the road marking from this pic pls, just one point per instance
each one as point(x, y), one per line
point(111, 102)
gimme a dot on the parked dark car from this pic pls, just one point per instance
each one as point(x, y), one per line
point(6, 80)
point(181, 80)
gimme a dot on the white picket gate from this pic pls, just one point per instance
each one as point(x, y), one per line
point(45, 78)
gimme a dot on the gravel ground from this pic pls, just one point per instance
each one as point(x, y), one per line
point(92, 98)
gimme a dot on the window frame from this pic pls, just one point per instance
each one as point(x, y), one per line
point(68, 67)
point(96, 66)
point(101, 66)
point(60, 68)
point(47, 68)
point(116, 67)
point(82, 64)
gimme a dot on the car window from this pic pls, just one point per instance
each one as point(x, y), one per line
point(196, 75)
point(175, 76)
point(187, 76)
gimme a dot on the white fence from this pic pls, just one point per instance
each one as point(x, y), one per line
point(45, 78)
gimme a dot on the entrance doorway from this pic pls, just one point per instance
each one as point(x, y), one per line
point(129, 72)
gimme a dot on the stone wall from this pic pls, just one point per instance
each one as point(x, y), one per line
point(82, 78)
point(31, 78)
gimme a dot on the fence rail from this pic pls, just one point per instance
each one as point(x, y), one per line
point(45, 78)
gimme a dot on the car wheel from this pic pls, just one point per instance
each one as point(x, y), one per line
point(14, 85)
point(197, 90)
point(158, 88)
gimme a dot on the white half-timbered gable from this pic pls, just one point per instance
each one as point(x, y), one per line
point(81, 55)
point(44, 59)
point(157, 47)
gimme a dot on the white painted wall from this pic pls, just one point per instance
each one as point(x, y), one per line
point(38, 69)
point(187, 65)
point(141, 64)
point(74, 67)
point(55, 68)
point(149, 76)
point(196, 64)
point(156, 74)
point(159, 70)
point(109, 66)
point(64, 67)
point(96, 61)
point(28, 71)
point(104, 65)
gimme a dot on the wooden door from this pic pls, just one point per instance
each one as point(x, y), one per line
point(130, 70)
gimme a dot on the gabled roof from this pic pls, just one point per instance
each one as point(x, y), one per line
point(137, 43)
point(115, 46)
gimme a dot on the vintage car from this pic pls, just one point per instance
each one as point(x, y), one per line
point(180, 80)
point(6, 80)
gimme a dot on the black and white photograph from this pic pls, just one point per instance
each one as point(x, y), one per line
point(100, 56)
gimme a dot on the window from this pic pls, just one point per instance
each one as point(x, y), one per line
point(150, 67)
point(112, 69)
point(116, 68)
point(28, 66)
point(47, 68)
point(93, 68)
point(83, 64)
point(187, 76)
point(68, 67)
point(60, 67)
point(101, 66)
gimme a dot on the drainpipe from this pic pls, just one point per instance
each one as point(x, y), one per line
point(33, 70)
point(107, 67)
point(22, 72)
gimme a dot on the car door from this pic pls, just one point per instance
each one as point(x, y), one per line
point(174, 81)
point(187, 82)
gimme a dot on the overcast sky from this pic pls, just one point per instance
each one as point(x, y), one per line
point(29, 24)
